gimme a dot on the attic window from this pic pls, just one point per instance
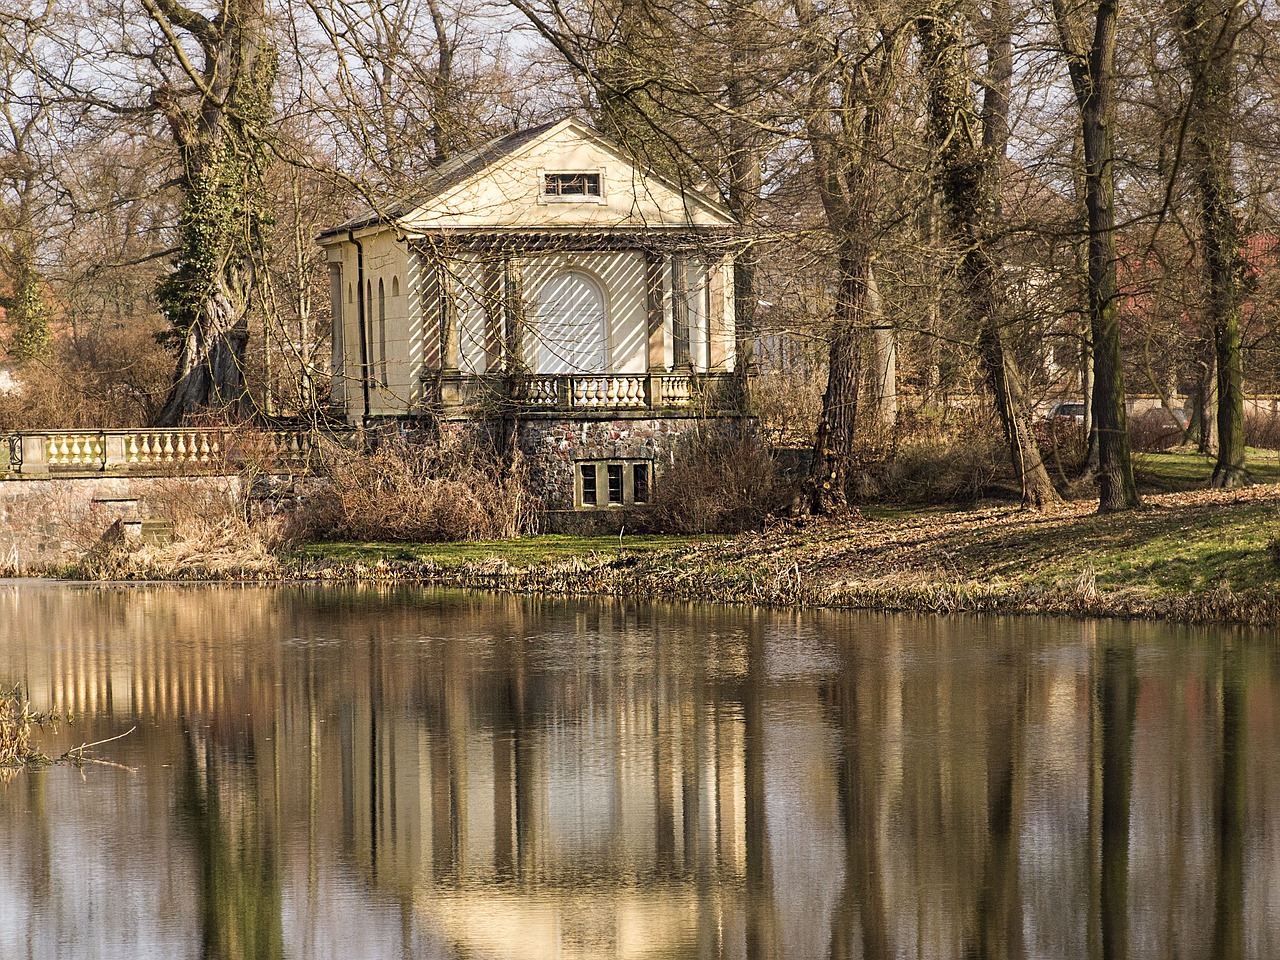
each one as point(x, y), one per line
point(571, 186)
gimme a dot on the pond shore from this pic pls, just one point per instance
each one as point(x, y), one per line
point(1200, 557)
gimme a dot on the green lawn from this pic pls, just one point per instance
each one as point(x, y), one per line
point(1187, 470)
point(543, 548)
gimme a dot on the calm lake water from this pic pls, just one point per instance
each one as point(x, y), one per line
point(391, 773)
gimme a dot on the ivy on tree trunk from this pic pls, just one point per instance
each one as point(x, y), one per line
point(223, 139)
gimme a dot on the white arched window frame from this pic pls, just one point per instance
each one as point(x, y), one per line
point(571, 330)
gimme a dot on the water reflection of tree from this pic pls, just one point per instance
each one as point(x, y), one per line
point(1228, 926)
point(938, 735)
point(239, 882)
point(1115, 692)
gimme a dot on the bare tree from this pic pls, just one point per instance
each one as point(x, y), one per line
point(853, 59)
point(1207, 34)
point(969, 171)
point(1087, 37)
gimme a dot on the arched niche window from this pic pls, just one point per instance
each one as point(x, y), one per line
point(395, 286)
point(382, 332)
point(370, 372)
point(571, 330)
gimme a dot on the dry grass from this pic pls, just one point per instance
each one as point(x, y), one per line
point(425, 491)
point(19, 722)
point(197, 530)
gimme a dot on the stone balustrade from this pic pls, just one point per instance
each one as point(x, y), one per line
point(614, 391)
point(164, 451)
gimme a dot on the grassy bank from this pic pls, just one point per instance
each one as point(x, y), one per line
point(1201, 556)
point(1191, 554)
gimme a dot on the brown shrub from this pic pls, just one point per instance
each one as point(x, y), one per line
point(113, 377)
point(957, 462)
point(1063, 445)
point(717, 484)
point(1262, 430)
point(204, 525)
point(788, 405)
point(1154, 431)
point(420, 491)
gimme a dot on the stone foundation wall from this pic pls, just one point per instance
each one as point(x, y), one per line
point(553, 446)
point(48, 522)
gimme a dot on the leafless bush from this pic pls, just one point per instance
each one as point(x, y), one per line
point(114, 377)
point(1262, 430)
point(1063, 445)
point(958, 463)
point(788, 405)
point(194, 524)
point(1154, 431)
point(717, 484)
point(421, 491)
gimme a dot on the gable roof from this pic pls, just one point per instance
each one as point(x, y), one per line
point(470, 165)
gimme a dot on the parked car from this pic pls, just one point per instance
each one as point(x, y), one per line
point(1068, 411)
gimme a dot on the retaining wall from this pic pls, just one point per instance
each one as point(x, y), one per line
point(52, 521)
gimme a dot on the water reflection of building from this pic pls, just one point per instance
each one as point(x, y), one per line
point(454, 776)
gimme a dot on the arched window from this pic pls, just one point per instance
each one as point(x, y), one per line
point(395, 286)
point(369, 371)
point(571, 333)
point(382, 333)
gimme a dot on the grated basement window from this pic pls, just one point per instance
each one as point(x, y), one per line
point(613, 483)
point(640, 482)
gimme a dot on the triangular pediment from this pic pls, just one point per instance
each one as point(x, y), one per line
point(508, 191)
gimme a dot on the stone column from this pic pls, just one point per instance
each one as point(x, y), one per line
point(513, 313)
point(448, 319)
point(656, 268)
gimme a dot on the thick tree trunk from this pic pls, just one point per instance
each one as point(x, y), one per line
point(832, 466)
point(968, 176)
point(847, 144)
point(210, 374)
point(1090, 59)
point(882, 374)
point(745, 186)
point(223, 140)
point(1207, 40)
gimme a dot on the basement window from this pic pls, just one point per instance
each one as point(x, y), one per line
point(640, 482)
point(613, 483)
point(616, 475)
